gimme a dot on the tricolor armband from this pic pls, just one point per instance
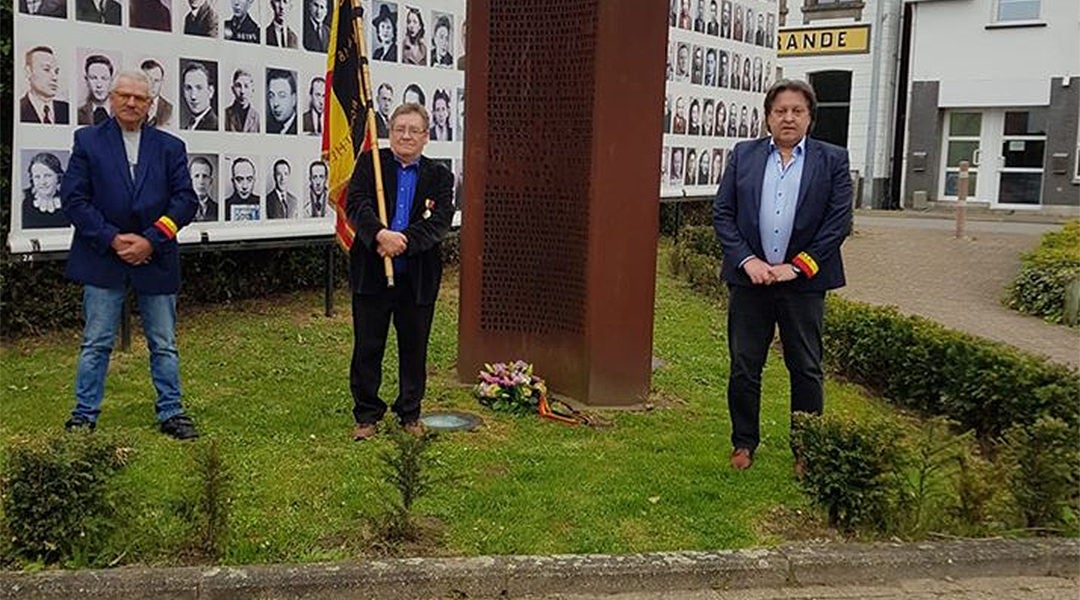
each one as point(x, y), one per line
point(166, 226)
point(805, 263)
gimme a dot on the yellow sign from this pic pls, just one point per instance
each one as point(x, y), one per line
point(824, 40)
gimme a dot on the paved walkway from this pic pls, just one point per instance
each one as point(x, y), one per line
point(985, 588)
point(918, 265)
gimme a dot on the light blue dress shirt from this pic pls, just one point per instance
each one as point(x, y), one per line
point(406, 183)
point(779, 193)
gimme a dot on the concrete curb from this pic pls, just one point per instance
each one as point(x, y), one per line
point(520, 576)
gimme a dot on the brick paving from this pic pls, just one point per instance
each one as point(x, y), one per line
point(918, 265)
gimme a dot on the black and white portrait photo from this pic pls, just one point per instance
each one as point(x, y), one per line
point(682, 62)
point(44, 8)
point(241, 202)
point(415, 94)
point(281, 101)
point(43, 102)
point(242, 115)
point(161, 109)
point(384, 32)
point(414, 46)
point(442, 40)
point(384, 104)
point(441, 129)
point(279, 31)
point(204, 177)
point(98, 69)
point(107, 12)
point(281, 201)
point(201, 19)
point(151, 14)
point(242, 24)
point(316, 25)
point(676, 166)
point(697, 65)
point(198, 90)
point(316, 194)
point(41, 175)
point(316, 102)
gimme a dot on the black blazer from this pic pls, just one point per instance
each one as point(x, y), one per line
point(429, 221)
point(822, 212)
point(27, 114)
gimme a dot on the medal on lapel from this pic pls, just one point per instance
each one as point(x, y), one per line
point(428, 205)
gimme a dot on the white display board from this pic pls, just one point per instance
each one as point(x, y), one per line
point(240, 81)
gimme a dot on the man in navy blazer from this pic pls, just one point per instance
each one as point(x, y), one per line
point(781, 213)
point(128, 191)
point(419, 209)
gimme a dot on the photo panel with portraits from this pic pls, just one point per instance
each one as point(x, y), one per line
point(198, 95)
point(243, 201)
point(40, 174)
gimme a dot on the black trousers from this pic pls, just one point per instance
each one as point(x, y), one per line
point(372, 315)
point(753, 315)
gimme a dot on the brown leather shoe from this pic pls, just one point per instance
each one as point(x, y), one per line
point(413, 428)
point(363, 431)
point(741, 459)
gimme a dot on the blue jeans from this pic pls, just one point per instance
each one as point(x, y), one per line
point(101, 310)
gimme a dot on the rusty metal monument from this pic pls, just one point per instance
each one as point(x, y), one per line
point(558, 243)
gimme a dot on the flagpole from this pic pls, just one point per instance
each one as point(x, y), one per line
point(365, 91)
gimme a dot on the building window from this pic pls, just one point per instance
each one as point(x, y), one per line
point(833, 90)
point(1018, 10)
point(814, 10)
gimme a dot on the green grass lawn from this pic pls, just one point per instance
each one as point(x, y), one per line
point(269, 381)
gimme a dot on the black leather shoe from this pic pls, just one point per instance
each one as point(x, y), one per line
point(79, 424)
point(180, 427)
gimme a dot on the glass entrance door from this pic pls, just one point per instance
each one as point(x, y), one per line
point(1006, 149)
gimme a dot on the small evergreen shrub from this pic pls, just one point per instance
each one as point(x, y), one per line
point(851, 468)
point(1039, 288)
point(1044, 461)
point(408, 467)
point(59, 504)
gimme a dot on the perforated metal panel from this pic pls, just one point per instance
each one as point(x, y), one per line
point(541, 63)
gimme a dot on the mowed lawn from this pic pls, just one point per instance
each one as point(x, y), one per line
point(269, 381)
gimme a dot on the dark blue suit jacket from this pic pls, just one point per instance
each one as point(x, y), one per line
point(822, 212)
point(102, 200)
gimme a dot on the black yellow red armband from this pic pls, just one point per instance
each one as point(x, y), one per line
point(166, 226)
point(806, 264)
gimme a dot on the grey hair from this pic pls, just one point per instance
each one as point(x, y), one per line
point(131, 75)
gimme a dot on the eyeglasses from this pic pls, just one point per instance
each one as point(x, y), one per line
point(138, 98)
point(413, 131)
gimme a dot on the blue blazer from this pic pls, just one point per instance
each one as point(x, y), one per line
point(822, 214)
point(102, 200)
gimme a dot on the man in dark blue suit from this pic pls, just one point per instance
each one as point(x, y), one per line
point(127, 191)
point(781, 213)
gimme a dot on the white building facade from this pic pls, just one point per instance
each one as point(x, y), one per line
point(847, 50)
point(995, 83)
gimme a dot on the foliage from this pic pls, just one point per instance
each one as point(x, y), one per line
point(983, 385)
point(677, 214)
point(851, 467)
point(1039, 288)
point(697, 257)
point(211, 518)
point(1045, 470)
point(408, 466)
point(929, 470)
point(59, 504)
point(510, 387)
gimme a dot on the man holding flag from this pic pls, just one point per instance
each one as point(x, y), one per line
point(395, 266)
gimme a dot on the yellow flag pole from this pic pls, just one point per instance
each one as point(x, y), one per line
point(365, 91)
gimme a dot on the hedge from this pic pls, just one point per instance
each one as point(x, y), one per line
point(983, 385)
point(1039, 288)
